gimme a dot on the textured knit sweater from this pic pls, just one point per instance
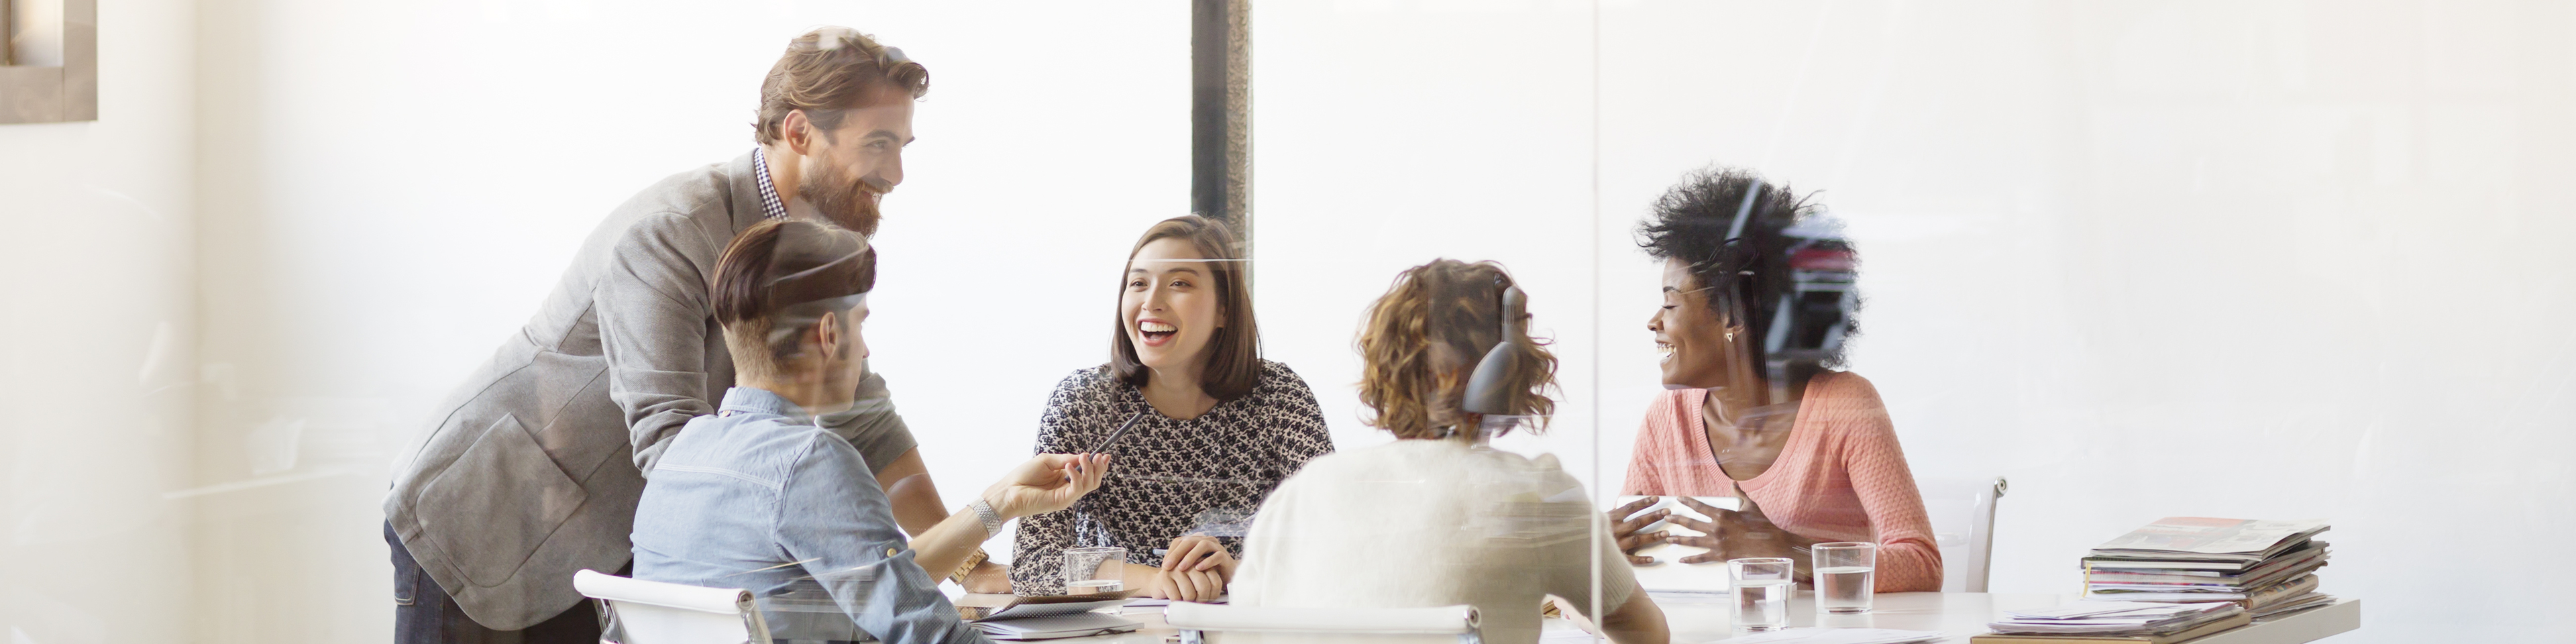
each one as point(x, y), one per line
point(1842, 477)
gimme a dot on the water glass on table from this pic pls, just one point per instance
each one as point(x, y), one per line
point(1846, 574)
point(1094, 570)
point(1762, 588)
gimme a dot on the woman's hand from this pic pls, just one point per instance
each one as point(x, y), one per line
point(1196, 568)
point(1188, 585)
point(1047, 483)
point(1625, 530)
point(1196, 552)
point(1733, 535)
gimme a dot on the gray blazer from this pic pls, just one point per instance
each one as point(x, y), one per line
point(531, 470)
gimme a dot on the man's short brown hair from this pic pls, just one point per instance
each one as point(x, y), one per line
point(777, 279)
point(832, 69)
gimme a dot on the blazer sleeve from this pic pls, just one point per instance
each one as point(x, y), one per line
point(1037, 549)
point(653, 319)
point(1909, 558)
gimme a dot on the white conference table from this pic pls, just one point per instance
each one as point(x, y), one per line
point(1696, 620)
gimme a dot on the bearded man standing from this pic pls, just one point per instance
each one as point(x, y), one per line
point(533, 467)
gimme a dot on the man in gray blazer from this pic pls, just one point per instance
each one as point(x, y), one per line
point(533, 467)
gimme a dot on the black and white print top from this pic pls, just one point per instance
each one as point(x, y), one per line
point(1206, 475)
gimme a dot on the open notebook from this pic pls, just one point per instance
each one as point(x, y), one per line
point(1033, 618)
point(1055, 626)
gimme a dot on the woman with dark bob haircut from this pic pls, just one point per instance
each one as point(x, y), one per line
point(1216, 427)
point(1757, 298)
point(1437, 518)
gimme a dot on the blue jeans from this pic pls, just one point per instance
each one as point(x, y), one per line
point(425, 614)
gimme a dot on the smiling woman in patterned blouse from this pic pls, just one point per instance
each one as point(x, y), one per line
point(1218, 427)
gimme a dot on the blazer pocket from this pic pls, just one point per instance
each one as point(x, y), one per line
point(499, 501)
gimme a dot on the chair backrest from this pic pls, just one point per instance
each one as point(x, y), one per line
point(652, 612)
point(1963, 522)
point(1460, 622)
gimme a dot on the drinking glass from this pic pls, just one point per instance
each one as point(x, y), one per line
point(1763, 586)
point(1845, 576)
point(1094, 570)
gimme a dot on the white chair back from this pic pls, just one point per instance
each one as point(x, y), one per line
point(652, 612)
point(1458, 623)
point(1963, 522)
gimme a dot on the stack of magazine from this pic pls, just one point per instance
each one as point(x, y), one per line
point(2265, 567)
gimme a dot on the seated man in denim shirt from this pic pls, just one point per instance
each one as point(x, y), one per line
point(759, 497)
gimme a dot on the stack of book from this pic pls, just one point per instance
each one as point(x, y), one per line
point(2265, 567)
point(2100, 621)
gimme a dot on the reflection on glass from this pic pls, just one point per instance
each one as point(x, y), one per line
point(1757, 299)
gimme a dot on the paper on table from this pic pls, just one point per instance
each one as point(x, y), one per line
point(2149, 618)
point(1024, 611)
point(2206, 536)
point(1672, 597)
point(1148, 601)
point(2074, 610)
point(1074, 625)
point(1836, 636)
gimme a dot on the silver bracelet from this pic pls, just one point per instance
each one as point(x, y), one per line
point(992, 520)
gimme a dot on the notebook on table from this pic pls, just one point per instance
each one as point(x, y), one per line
point(1015, 617)
point(2240, 619)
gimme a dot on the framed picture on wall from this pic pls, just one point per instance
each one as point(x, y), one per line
point(49, 70)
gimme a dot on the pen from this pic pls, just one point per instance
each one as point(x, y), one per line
point(1114, 434)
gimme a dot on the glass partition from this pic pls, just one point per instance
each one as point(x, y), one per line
point(1502, 300)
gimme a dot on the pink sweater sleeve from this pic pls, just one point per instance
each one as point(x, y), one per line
point(1656, 447)
point(1908, 557)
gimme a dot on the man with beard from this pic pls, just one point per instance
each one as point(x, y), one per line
point(532, 469)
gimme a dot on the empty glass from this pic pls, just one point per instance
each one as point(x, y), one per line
point(1763, 586)
point(1094, 570)
point(1845, 576)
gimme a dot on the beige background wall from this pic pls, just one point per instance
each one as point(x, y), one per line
point(98, 311)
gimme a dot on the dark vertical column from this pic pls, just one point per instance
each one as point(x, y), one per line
point(1220, 112)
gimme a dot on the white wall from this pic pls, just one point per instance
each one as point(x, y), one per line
point(2272, 260)
point(390, 187)
point(97, 327)
point(2246, 259)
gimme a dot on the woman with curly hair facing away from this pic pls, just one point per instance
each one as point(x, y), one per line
point(1757, 293)
point(1217, 427)
point(1437, 518)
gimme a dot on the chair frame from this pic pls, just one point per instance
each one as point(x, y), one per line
point(1474, 633)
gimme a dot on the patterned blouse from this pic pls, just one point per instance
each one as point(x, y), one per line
point(1206, 475)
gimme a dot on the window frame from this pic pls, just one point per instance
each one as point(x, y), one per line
point(55, 94)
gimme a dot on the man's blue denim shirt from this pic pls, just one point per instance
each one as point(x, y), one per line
point(757, 497)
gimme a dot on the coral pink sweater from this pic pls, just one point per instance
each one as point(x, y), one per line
point(1842, 476)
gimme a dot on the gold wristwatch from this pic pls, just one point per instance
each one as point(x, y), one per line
point(973, 559)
